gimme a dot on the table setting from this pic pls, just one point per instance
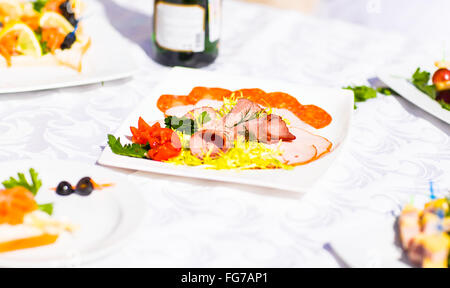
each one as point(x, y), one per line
point(341, 206)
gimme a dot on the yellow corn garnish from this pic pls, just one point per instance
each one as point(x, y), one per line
point(229, 103)
point(243, 156)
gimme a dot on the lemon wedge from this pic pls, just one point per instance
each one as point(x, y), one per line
point(10, 10)
point(55, 20)
point(27, 42)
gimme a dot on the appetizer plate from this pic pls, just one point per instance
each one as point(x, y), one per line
point(104, 61)
point(104, 219)
point(396, 77)
point(180, 81)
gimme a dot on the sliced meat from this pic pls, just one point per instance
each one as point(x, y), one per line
point(195, 113)
point(304, 149)
point(266, 129)
point(179, 111)
point(208, 141)
point(209, 103)
point(277, 129)
point(244, 110)
point(291, 119)
point(322, 145)
point(296, 154)
point(212, 122)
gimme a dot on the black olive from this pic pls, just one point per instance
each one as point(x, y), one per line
point(67, 12)
point(68, 41)
point(84, 187)
point(64, 189)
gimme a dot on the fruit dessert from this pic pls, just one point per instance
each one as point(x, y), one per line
point(424, 234)
point(42, 32)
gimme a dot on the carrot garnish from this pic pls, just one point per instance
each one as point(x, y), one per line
point(15, 203)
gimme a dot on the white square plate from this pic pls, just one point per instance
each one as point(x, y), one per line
point(397, 78)
point(180, 81)
point(104, 61)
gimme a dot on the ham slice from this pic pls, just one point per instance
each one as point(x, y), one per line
point(296, 154)
point(244, 110)
point(266, 129)
point(195, 113)
point(304, 149)
point(179, 111)
point(322, 145)
point(208, 141)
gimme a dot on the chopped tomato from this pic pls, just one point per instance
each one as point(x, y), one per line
point(15, 203)
point(54, 38)
point(164, 143)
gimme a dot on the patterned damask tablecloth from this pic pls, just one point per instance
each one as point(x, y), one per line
point(393, 151)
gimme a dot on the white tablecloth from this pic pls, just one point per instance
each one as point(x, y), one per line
point(393, 151)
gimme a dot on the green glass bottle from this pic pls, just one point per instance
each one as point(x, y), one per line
point(186, 32)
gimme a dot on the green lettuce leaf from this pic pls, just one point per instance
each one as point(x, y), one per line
point(131, 150)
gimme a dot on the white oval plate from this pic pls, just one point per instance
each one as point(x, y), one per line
point(105, 218)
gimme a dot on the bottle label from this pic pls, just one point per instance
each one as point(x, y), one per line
point(215, 19)
point(180, 28)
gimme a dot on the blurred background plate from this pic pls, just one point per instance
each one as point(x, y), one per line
point(105, 218)
point(397, 77)
point(104, 61)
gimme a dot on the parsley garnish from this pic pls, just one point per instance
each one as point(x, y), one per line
point(386, 91)
point(131, 150)
point(39, 4)
point(33, 187)
point(22, 181)
point(186, 125)
point(420, 79)
point(47, 208)
point(183, 124)
point(203, 118)
point(364, 93)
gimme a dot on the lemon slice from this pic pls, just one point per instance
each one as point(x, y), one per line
point(27, 43)
point(10, 10)
point(55, 20)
